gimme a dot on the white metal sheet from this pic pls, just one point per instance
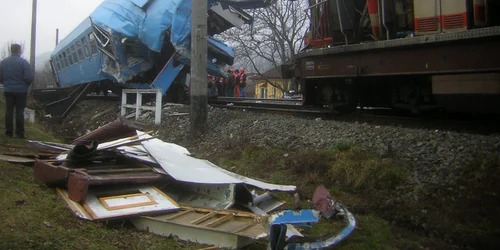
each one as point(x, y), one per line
point(147, 159)
point(133, 150)
point(188, 169)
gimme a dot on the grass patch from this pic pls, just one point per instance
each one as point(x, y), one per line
point(344, 146)
point(34, 217)
point(354, 168)
point(351, 173)
point(371, 233)
point(360, 170)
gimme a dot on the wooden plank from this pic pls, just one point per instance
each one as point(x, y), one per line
point(209, 248)
point(221, 220)
point(204, 218)
point(114, 171)
point(223, 212)
point(245, 227)
point(104, 201)
point(180, 214)
point(15, 159)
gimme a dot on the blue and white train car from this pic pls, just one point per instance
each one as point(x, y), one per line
point(77, 59)
point(144, 43)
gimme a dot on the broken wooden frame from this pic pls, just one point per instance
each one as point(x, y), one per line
point(120, 203)
point(225, 229)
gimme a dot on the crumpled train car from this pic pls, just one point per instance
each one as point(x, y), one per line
point(144, 43)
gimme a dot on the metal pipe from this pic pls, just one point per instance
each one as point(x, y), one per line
point(340, 21)
point(383, 20)
point(33, 38)
point(57, 37)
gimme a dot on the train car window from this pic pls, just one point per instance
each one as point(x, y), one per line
point(70, 57)
point(55, 66)
point(75, 56)
point(86, 47)
point(93, 43)
point(66, 62)
point(58, 64)
point(54, 62)
point(61, 62)
point(80, 51)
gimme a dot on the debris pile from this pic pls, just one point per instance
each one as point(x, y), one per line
point(119, 172)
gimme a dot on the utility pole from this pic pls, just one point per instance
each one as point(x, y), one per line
point(199, 97)
point(33, 36)
point(57, 37)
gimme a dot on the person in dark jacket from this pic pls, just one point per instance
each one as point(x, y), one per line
point(16, 76)
point(230, 83)
point(221, 87)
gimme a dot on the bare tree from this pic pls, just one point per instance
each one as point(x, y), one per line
point(45, 78)
point(275, 37)
point(5, 52)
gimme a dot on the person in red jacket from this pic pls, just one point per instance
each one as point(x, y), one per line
point(237, 83)
point(243, 82)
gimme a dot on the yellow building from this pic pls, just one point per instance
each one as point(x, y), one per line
point(270, 85)
point(264, 90)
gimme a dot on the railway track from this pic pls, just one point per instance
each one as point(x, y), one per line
point(379, 117)
point(382, 117)
point(268, 105)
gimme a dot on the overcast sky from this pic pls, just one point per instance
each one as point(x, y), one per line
point(65, 15)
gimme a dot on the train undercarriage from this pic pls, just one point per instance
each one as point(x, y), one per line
point(401, 55)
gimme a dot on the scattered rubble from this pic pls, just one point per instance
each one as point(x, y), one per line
point(438, 160)
point(163, 189)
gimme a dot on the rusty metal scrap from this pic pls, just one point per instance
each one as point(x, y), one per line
point(324, 202)
point(79, 181)
point(117, 129)
point(50, 174)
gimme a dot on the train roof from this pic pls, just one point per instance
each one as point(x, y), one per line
point(81, 28)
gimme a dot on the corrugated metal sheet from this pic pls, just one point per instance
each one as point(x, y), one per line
point(185, 168)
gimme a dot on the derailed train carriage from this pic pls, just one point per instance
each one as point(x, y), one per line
point(414, 55)
point(143, 44)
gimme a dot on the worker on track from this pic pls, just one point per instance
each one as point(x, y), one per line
point(243, 82)
point(237, 83)
point(16, 75)
point(230, 83)
point(221, 87)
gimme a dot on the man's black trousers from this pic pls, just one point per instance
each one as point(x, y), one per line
point(17, 101)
